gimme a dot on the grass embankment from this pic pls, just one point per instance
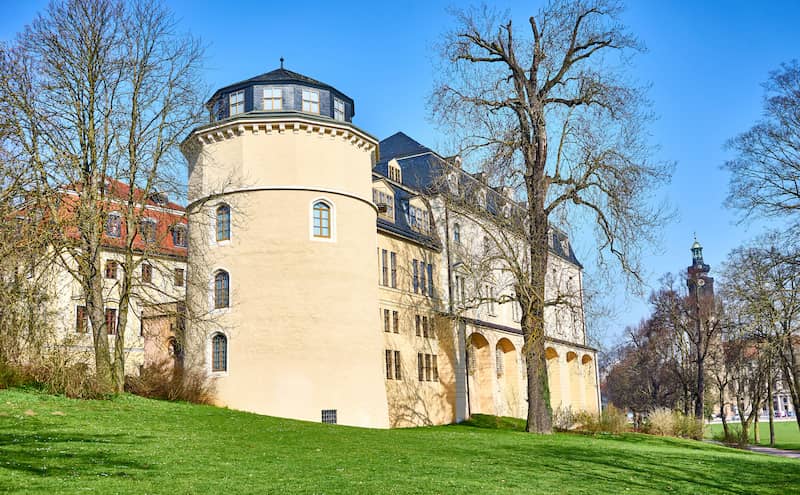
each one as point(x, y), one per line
point(787, 434)
point(134, 445)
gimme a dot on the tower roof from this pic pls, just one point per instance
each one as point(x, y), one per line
point(696, 245)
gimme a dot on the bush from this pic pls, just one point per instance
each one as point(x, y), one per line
point(563, 418)
point(687, 426)
point(734, 436)
point(14, 376)
point(168, 382)
point(660, 422)
point(610, 420)
point(55, 373)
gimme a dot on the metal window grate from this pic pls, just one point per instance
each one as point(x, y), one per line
point(329, 416)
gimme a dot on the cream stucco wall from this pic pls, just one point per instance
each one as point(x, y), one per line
point(302, 325)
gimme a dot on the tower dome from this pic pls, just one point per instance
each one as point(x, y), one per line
point(282, 247)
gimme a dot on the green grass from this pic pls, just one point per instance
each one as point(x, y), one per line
point(787, 434)
point(134, 445)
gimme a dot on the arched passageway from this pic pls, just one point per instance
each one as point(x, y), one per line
point(554, 377)
point(590, 383)
point(507, 378)
point(480, 370)
point(575, 374)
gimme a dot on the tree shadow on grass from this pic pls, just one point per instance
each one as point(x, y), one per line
point(55, 453)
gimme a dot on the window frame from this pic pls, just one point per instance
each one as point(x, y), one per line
point(110, 317)
point(117, 218)
point(148, 234)
point(215, 337)
point(180, 232)
point(272, 98)
point(227, 226)
point(146, 273)
point(311, 102)
point(336, 112)
point(237, 103)
point(81, 319)
point(331, 220)
point(183, 279)
point(215, 290)
point(108, 267)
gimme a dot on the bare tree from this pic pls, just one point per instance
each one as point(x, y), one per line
point(507, 96)
point(765, 173)
point(99, 90)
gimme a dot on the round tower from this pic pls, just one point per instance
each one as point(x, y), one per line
point(283, 292)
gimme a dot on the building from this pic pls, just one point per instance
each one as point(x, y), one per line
point(329, 270)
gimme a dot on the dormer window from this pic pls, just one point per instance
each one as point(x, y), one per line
point(338, 109)
point(394, 171)
point(236, 101)
point(273, 99)
point(385, 203)
point(419, 220)
point(179, 236)
point(310, 101)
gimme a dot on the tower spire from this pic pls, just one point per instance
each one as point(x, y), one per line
point(281, 62)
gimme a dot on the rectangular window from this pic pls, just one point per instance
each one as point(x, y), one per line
point(416, 276)
point(424, 326)
point(147, 230)
point(396, 321)
point(422, 282)
point(236, 101)
point(418, 218)
point(338, 109)
point(417, 325)
point(178, 277)
point(389, 366)
point(81, 319)
point(147, 273)
point(395, 173)
point(384, 268)
point(272, 99)
point(435, 368)
point(427, 367)
point(430, 280)
point(386, 321)
point(421, 367)
point(394, 269)
point(397, 375)
point(111, 269)
point(329, 416)
point(179, 236)
point(490, 295)
point(310, 101)
point(385, 203)
point(111, 321)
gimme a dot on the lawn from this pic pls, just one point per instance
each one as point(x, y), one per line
point(787, 434)
point(133, 445)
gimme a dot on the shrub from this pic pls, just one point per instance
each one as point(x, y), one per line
point(733, 437)
point(13, 376)
point(168, 382)
point(563, 418)
point(610, 420)
point(687, 426)
point(660, 422)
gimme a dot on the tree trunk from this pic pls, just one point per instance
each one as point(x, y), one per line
point(722, 412)
point(771, 408)
point(699, 404)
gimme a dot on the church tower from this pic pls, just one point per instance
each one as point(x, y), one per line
point(282, 246)
point(698, 281)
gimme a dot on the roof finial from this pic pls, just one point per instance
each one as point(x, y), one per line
point(281, 62)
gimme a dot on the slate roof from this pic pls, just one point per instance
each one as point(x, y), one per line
point(420, 167)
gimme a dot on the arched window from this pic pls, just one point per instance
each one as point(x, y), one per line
point(221, 290)
point(457, 233)
point(219, 353)
point(322, 220)
point(114, 225)
point(223, 223)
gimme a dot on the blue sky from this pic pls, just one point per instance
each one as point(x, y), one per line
point(706, 62)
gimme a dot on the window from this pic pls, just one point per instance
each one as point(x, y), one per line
point(147, 230)
point(435, 368)
point(422, 280)
point(395, 173)
point(421, 367)
point(515, 311)
point(147, 273)
point(111, 321)
point(417, 320)
point(114, 225)
point(418, 218)
point(329, 416)
point(384, 268)
point(338, 109)
point(416, 275)
point(223, 223)
point(81, 319)
point(425, 327)
point(392, 364)
point(489, 293)
point(322, 220)
point(386, 321)
point(111, 269)
point(460, 294)
point(219, 353)
point(396, 321)
point(385, 203)
point(427, 367)
point(178, 277)
point(179, 236)
point(430, 280)
point(457, 233)
point(236, 101)
point(221, 290)
point(310, 101)
point(272, 99)
point(394, 269)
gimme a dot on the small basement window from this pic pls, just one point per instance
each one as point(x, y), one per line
point(329, 416)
